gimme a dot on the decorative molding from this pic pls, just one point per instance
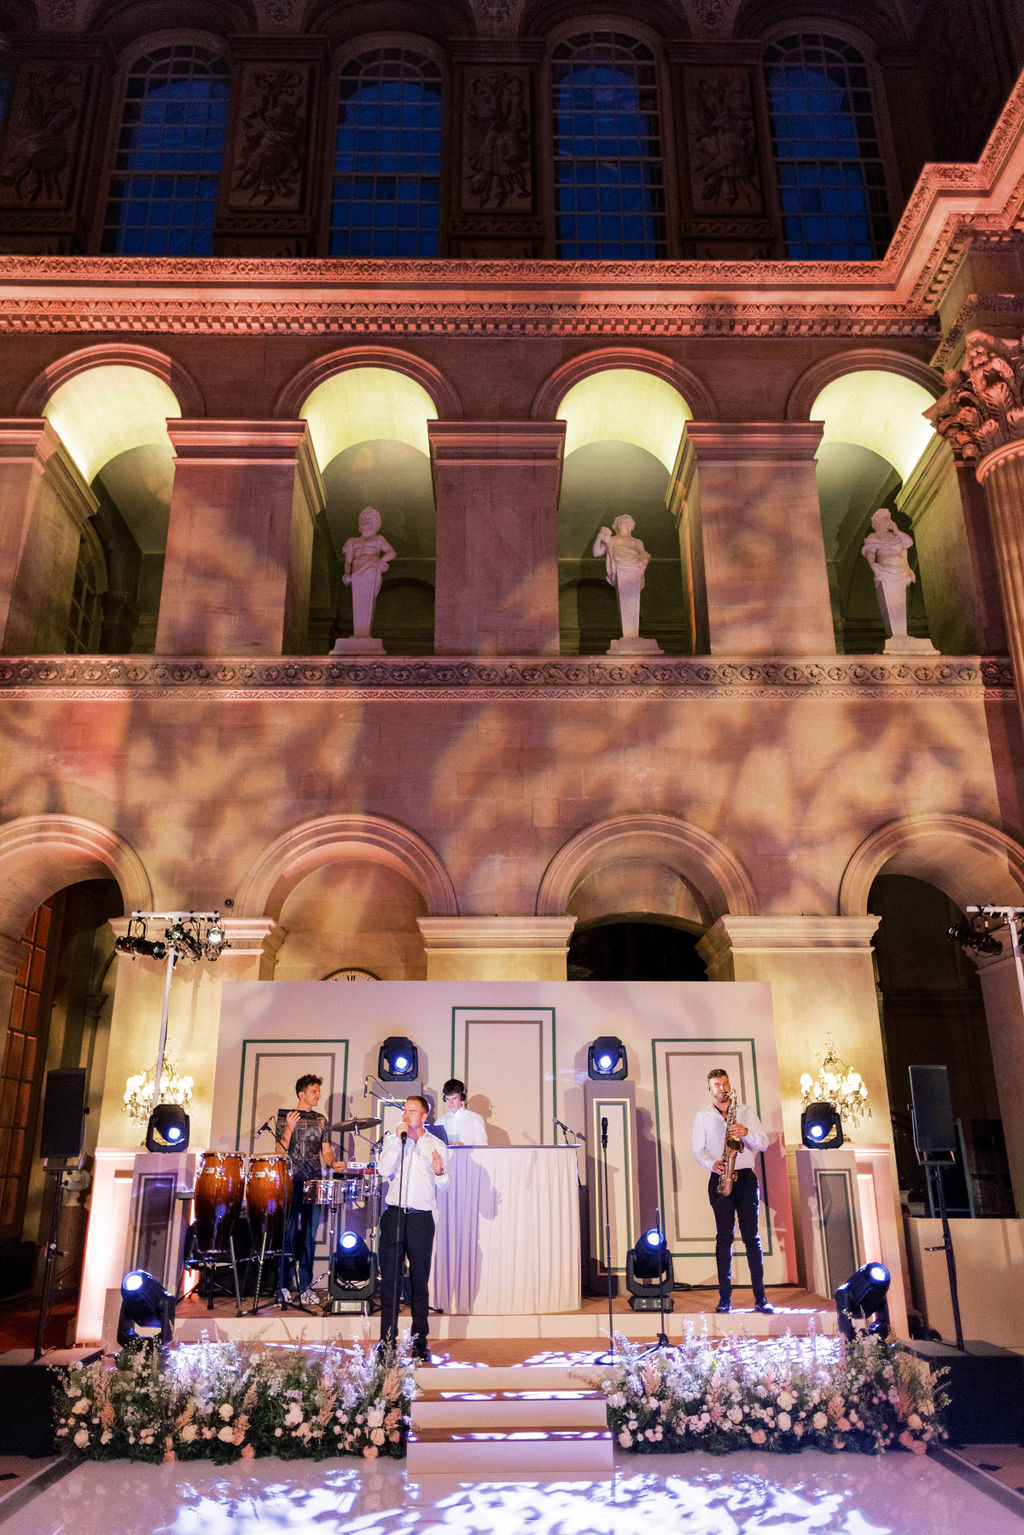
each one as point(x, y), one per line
point(114, 678)
point(957, 853)
point(496, 934)
point(983, 407)
point(686, 383)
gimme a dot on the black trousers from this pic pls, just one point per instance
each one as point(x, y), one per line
point(405, 1234)
point(740, 1205)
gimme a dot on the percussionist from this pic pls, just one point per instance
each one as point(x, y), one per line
point(302, 1134)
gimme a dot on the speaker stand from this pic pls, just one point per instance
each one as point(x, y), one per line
point(933, 1170)
point(52, 1254)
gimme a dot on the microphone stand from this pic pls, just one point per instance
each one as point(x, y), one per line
point(609, 1357)
point(400, 1242)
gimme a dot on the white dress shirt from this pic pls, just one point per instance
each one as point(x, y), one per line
point(708, 1144)
point(464, 1126)
point(419, 1181)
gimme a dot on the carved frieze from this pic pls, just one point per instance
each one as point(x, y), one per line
point(315, 678)
point(710, 18)
point(983, 407)
point(722, 138)
point(270, 142)
point(498, 18)
point(497, 168)
point(43, 135)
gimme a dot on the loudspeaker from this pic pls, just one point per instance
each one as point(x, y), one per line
point(63, 1129)
point(932, 1112)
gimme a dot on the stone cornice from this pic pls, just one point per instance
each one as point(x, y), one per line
point(496, 934)
point(115, 679)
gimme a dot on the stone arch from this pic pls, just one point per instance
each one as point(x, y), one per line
point(305, 848)
point(42, 853)
point(117, 355)
point(298, 389)
point(686, 383)
point(721, 883)
point(972, 862)
point(860, 360)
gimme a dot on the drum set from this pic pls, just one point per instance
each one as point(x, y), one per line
point(229, 1181)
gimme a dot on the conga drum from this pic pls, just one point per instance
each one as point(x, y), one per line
point(218, 1197)
point(268, 1193)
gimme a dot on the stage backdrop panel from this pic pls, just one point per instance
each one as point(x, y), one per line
point(506, 1057)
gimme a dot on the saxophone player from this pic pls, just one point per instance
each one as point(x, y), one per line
point(718, 1131)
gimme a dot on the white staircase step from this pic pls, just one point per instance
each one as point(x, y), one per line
point(509, 1454)
point(516, 1412)
point(533, 1377)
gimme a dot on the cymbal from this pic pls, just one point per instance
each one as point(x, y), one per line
point(345, 1125)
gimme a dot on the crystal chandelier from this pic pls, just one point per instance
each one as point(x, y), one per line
point(836, 1084)
point(139, 1097)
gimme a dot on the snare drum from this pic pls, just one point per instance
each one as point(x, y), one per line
point(268, 1192)
point(328, 1193)
point(361, 1182)
point(218, 1195)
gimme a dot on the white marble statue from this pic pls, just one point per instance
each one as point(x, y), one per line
point(885, 550)
point(625, 561)
point(367, 557)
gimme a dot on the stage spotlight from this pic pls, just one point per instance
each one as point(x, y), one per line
point(146, 1318)
point(649, 1274)
point(353, 1277)
point(863, 1296)
point(168, 1128)
point(215, 938)
point(152, 948)
point(821, 1127)
point(606, 1060)
point(399, 1060)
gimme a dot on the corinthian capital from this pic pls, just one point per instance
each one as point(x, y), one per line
point(983, 407)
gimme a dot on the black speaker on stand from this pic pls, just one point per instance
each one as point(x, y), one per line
point(931, 1115)
point(60, 1141)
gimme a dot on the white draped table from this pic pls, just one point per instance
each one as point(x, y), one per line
point(508, 1232)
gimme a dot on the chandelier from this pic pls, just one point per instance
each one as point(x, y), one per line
point(836, 1084)
point(139, 1097)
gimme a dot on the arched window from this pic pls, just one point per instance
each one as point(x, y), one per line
point(163, 197)
point(831, 176)
point(386, 194)
point(609, 182)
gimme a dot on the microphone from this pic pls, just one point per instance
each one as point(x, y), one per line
point(566, 1130)
point(604, 1134)
point(366, 1087)
point(264, 1126)
point(404, 1136)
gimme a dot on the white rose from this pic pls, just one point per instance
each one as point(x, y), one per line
point(226, 1411)
point(913, 1421)
point(820, 1420)
point(188, 1433)
point(226, 1433)
point(82, 1405)
point(618, 1400)
point(377, 1435)
point(293, 1415)
point(785, 1422)
point(735, 1413)
point(626, 1440)
point(375, 1417)
point(82, 1438)
point(785, 1400)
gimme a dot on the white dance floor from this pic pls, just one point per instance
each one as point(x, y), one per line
point(741, 1494)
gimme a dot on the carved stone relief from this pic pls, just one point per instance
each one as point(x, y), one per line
point(270, 145)
point(722, 138)
point(497, 171)
point(45, 125)
point(983, 407)
point(710, 18)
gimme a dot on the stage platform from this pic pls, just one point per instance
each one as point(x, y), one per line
point(463, 1338)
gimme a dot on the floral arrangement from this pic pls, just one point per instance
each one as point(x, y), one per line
point(785, 1394)
point(233, 1401)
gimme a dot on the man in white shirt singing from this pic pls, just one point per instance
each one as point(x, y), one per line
point(415, 1164)
point(742, 1202)
point(460, 1125)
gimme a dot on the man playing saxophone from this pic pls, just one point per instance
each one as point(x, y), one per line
point(726, 1136)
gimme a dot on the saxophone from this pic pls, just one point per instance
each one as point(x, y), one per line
point(727, 1177)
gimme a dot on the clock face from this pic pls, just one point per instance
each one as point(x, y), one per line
point(351, 974)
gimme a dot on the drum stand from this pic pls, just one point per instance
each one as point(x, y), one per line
point(209, 1263)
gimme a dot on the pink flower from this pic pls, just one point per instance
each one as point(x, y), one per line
point(371, 1452)
point(169, 1457)
point(248, 1452)
point(758, 1436)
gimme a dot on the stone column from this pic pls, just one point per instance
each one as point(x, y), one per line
point(239, 545)
point(749, 500)
point(821, 972)
point(1002, 986)
point(496, 486)
point(496, 948)
point(44, 507)
point(981, 416)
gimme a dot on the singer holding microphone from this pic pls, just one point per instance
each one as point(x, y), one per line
point(415, 1165)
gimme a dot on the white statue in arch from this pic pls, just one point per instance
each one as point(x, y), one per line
point(367, 557)
point(885, 550)
point(625, 564)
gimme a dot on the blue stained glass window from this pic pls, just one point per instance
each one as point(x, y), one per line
point(163, 194)
point(609, 181)
point(831, 176)
point(385, 197)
